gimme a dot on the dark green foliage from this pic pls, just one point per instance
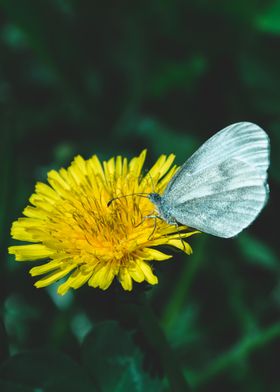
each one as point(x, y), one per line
point(44, 370)
point(111, 348)
point(78, 76)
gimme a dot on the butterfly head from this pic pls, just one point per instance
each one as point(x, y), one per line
point(155, 198)
point(162, 209)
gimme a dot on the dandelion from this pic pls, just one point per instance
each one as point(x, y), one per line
point(82, 240)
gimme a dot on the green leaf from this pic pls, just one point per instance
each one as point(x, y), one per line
point(114, 360)
point(11, 386)
point(178, 75)
point(43, 370)
point(269, 21)
point(257, 252)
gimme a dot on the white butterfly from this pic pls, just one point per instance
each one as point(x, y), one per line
point(223, 186)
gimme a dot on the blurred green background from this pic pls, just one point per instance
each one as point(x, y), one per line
point(83, 77)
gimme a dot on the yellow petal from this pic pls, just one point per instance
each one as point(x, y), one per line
point(137, 274)
point(163, 183)
point(47, 192)
point(166, 240)
point(42, 204)
point(190, 233)
point(125, 167)
point(49, 279)
point(167, 164)
point(153, 254)
point(63, 288)
point(80, 279)
point(118, 167)
point(96, 167)
point(20, 232)
point(102, 278)
point(80, 164)
point(136, 164)
point(30, 252)
point(57, 182)
point(125, 279)
point(109, 168)
point(155, 169)
point(76, 280)
point(65, 176)
point(43, 269)
point(147, 271)
point(34, 212)
point(183, 245)
point(161, 166)
point(77, 170)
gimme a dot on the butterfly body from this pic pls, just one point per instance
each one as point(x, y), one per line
point(164, 210)
point(223, 186)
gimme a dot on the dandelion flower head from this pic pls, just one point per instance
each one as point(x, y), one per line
point(79, 238)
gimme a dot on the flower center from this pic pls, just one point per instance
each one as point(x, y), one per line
point(90, 230)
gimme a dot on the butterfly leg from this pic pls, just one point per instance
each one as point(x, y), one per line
point(179, 234)
point(155, 217)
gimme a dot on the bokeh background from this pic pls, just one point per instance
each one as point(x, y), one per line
point(85, 77)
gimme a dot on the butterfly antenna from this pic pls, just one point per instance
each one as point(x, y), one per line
point(142, 194)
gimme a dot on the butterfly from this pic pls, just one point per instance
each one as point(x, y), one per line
point(222, 187)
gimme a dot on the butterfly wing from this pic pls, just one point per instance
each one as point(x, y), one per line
point(244, 141)
point(222, 188)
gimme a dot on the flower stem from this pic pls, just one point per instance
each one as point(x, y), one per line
point(154, 335)
point(179, 297)
point(238, 353)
